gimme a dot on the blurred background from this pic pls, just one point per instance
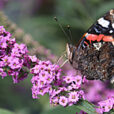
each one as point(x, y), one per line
point(33, 20)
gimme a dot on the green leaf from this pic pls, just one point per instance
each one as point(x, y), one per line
point(82, 105)
point(62, 110)
point(86, 107)
point(4, 111)
point(112, 112)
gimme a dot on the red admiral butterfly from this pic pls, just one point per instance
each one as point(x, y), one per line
point(93, 56)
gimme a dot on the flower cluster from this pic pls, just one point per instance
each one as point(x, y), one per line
point(44, 74)
point(106, 105)
point(98, 94)
point(12, 57)
point(63, 90)
point(15, 61)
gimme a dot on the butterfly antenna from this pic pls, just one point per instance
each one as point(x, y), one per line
point(70, 33)
point(55, 18)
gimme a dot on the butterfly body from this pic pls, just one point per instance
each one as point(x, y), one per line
point(93, 56)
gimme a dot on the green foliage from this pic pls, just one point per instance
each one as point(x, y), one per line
point(4, 111)
point(82, 105)
point(62, 110)
point(86, 107)
point(111, 112)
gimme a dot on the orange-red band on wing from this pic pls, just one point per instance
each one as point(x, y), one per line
point(98, 38)
point(108, 39)
point(86, 43)
point(92, 37)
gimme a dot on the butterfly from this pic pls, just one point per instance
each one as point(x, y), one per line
point(93, 56)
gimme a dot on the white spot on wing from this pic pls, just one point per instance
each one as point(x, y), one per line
point(97, 45)
point(111, 31)
point(113, 25)
point(112, 80)
point(103, 22)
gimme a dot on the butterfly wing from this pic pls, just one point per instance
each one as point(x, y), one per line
point(94, 54)
point(102, 30)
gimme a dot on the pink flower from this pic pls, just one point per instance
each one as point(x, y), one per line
point(78, 80)
point(35, 69)
point(63, 101)
point(41, 83)
point(2, 73)
point(69, 87)
point(84, 79)
point(34, 80)
point(12, 57)
point(15, 63)
point(15, 52)
point(3, 43)
point(75, 86)
point(106, 106)
point(15, 77)
point(34, 93)
point(11, 41)
point(73, 97)
point(69, 79)
point(21, 48)
point(55, 101)
point(43, 75)
point(42, 91)
point(2, 29)
point(81, 94)
point(2, 53)
point(2, 64)
point(33, 58)
point(49, 79)
point(5, 60)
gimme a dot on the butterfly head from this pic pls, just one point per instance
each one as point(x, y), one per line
point(70, 49)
